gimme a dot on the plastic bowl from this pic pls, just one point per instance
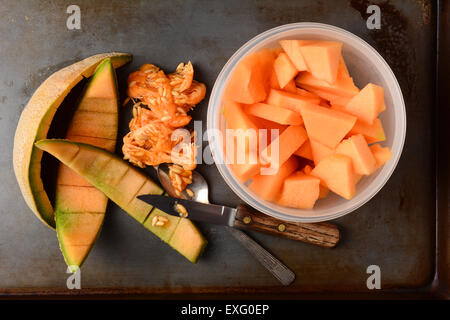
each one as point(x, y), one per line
point(365, 65)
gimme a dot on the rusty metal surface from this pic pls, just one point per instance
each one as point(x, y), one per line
point(395, 230)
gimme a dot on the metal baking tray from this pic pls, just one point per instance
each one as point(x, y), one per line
point(403, 230)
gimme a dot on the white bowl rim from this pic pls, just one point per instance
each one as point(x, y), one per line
point(217, 153)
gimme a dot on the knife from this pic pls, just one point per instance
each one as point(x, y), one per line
point(322, 234)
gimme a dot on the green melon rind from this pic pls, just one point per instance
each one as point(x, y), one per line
point(91, 163)
point(61, 211)
point(34, 124)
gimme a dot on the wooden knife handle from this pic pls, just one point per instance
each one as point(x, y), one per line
point(322, 234)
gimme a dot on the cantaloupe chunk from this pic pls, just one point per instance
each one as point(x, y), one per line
point(381, 154)
point(282, 148)
point(336, 173)
point(288, 100)
point(291, 87)
point(269, 186)
point(273, 81)
point(269, 126)
point(325, 125)
point(358, 150)
point(292, 49)
point(305, 151)
point(320, 151)
point(250, 80)
point(284, 69)
point(314, 98)
point(372, 132)
point(331, 97)
point(367, 104)
point(323, 192)
point(299, 191)
point(274, 113)
point(322, 59)
point(343, 86)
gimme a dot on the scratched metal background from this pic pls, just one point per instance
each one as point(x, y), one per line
point(395, 230)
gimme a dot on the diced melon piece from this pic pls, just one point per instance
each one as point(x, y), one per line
point(237, 120)
point(284, 146)
point(292, 49)
point(305, 151)
point(314, 98)
point(268, 186)
point(331, 97)
point(372, 132)
point(284, 69)
point(357, 149)
point(323, 192)
point(307, 169)
point(291, 87)
point(344, 85)
point(381, 154)
point(322, 59)
point(325, 125)
point(367, 104)
point(336, 173)
point(299, 191)
point(319, 151)
point(274, 113)
point(250, 79)
point(273, 81)
point(288, 100)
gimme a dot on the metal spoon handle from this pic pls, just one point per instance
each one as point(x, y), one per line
point(272, 264)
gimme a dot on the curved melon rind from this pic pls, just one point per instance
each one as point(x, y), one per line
point(34, 124)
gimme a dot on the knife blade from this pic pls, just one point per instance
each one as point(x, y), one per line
point(321, 234)
point(210, 213)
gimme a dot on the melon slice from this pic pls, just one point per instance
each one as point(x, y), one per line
point(79, 206)
point(282, 148)
point(357, 149)
point(273, 81)
point(269, 186)
point(274, 113)
point(289, 100)
point(336, 173)
point(250, 79)
point(299, 191)
point(35, 122)
point(322, 59)
point(325, 125)
point(343, 86)
point(381, 154)
point(305, 151)
point(367, 104)
point(331, 97)
point(121, 183)
point(292, 49)
point(320, 151)
point(284, 69)
point(323, 191)
point(291, 87)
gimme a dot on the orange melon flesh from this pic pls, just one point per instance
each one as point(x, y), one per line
point(323, 192)
point(288, 100)
point(291, 87)
point(343, 86)
point(325, 125)
point(314, 98)
point(336, 173)
point(381, 154)
point(274, 113)
point(307, 169)
point(320, 151)
point(367, 104)
point(357, 149)
point(269, 126)
point(305, 151)
point(332, 98)
point(249, 82)
point(273, 81)
point(299, 191)
point(284, 69)
point(288, 142)
point(372, 132)
point(292, 49)
point(322, 59)
point(269, 186)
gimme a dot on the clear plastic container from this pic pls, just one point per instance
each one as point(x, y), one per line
point(365, 65)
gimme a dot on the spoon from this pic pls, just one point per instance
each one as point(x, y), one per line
point(199, 186)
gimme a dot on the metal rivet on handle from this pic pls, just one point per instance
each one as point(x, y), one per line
point(247, 219)
point(281, 227)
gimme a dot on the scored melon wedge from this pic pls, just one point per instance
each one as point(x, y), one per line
point(79, 206)
point(34, 124)
point(122, 183)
